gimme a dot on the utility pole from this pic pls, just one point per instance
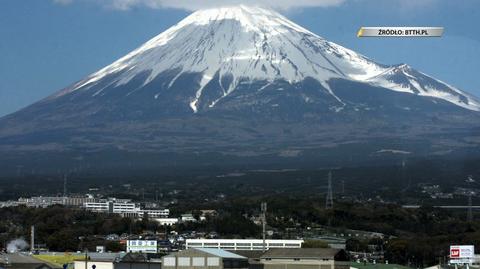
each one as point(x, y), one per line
point(82, 241)
point(86, 258)
point(329, 199)
point(264, 223)
point(64, 189)
point(32, 239)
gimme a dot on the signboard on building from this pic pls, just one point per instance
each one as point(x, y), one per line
point(461, 261)
point(462, 254)
point(143, 246)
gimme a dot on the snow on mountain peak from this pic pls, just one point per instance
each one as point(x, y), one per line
point(404, 78)
point(248, 41)
point(251, 18)
point(253, 43)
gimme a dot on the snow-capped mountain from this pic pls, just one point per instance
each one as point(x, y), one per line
point(250, 44)
point(245, 84)
point(403, 78)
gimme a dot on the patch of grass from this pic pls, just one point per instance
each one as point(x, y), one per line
point(59, 260)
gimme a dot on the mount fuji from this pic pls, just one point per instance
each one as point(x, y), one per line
point(245, 84)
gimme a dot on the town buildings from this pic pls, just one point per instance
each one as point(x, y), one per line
point(198, 258)
point(126, 208)
point(242, 244)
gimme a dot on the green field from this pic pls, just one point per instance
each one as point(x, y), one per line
point(378, 266)
point(59, 260)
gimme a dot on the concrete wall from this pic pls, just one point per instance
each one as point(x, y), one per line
point(342, 265)
point(303, 264)
point(191, 254)
point(191, 258)
point(100, 265)
point(138, 265)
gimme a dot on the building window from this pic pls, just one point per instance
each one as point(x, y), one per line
point(183, 261)
point(213, 261)
point(169, 261)
point(198, 261)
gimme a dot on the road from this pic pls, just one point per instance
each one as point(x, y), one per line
point(445, 206)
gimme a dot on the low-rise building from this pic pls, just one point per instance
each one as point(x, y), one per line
point(100, 260)
point(198, 258)
point(41, 201)
point(242, 244)
point(124, 261)
point(138, 261)
point(126, 208)
point(187, 218)
point(304, 258)
point(99, 264)
point(155, 213)
point(78, 201)
point(28, 266)
point(167, 221)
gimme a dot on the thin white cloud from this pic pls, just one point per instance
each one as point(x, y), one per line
point(63, 2)
point(197, 4)
point(409, 4)
point(192, 5)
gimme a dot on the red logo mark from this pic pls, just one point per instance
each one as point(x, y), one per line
point(455, 253)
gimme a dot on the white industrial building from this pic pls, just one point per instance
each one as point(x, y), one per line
point(187, 218)
point(125, 208)
point(156, 213)
point(167, 221)
point(242, 244)
point(40, 201)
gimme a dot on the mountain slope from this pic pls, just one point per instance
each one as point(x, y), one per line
point(247, 43)
point(245, 81)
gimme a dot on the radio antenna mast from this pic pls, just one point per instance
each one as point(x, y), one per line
point(329, 199)
point(264, 223)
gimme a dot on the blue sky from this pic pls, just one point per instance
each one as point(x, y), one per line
point(45, 45)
